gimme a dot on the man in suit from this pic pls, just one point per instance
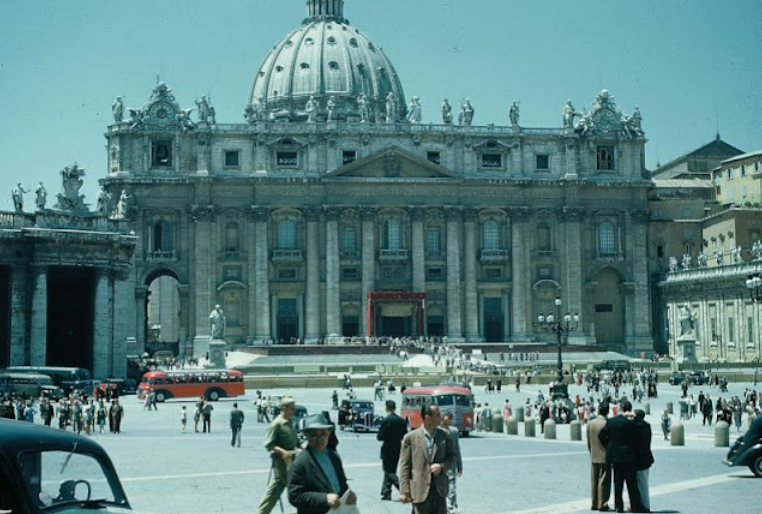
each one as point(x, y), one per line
point(427, 453)
point(600, 477)
point(455, 472)
point(236, 423)
point(644, 458)
point(316, 479)
point(393, 428)
point(620, 435)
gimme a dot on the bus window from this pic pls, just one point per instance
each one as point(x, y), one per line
point(462, 400)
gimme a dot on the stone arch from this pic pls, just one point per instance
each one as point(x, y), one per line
point(164, 310)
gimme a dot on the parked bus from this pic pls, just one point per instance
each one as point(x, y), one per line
point(68, 379)
point(457, 400)
point(29, 385)
point(214, 384)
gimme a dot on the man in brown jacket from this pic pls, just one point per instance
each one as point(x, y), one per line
point(600, 478)
point(427, 453)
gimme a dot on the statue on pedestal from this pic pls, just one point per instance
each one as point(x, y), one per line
point(331, 108)
point(218, 323)
point(737, 254)
point(42, 197)
point(513, 114)
point(673, 264)
point(687, 319)
point(687, 261)
point(104, 198)
point(756, 250)
point(121, 205)
point(467, 113)
point(414, 116)
point(70, 199)
point(701, 260)
point(117, 108)
point(718, 255)
point(311, 109)
point(17, 193)
point(569, 114)
point(391, 108)
point(362, 107)
point(446, 112)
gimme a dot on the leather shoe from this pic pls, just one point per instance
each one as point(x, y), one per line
point(605, 508)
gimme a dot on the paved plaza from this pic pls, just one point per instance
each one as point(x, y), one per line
point(164, 471)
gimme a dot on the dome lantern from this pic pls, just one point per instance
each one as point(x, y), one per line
point(325, 10)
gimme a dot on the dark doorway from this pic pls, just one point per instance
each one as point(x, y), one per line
point(5, 316)
point(350, 327)
point(436, 326)
point(395, 326)
point(70, 317)
point(288, 320)
point(493, 320)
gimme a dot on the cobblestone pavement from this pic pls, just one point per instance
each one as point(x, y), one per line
point(165, 471)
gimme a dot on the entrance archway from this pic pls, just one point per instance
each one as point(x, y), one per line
point(609, 308)
point(396, 313)
point(71, 301)
point(163, 310)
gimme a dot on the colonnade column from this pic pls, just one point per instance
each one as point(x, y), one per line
point(332, 272)
point(454, 322)
point(38, 347)
point(418, 256)
point(642, 340)
point(368, 215)
point(312, 295)
point(521, 290)
point(124, 285)
point(202, 296)
point(262, 329)
point(141, 319)
point(471, 303)
point(19, 344)
point(572, 259)
point(102, 319)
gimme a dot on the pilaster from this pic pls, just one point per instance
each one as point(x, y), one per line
point(418, 241)
point(102, 329)
point(263, 329)
point(574, 270)
point(521, 287)
point(368, 215)
point(19, 342)
point(312, 295)
point(642, 339)
point(332, 273)
point(39, 329)
point(454, 315)
point(203, 216)
point(471, 299)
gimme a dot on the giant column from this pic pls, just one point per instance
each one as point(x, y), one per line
point(417, 243)
point(19, 345)
point(102, 330)
point(262, 330)
point(204, 215)
point(454, 323)
point(572, 259)
point(368, 215)
point(124, 287)
point(313, 303)
point(471, 298)
point(641, 340)
point(39, 329)
point(521, 288)
point(332, 272)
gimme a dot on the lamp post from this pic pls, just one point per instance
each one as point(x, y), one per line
point(562, 327)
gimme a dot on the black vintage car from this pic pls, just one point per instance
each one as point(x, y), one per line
point(48, 470)
point(747, 450)
point(693, 378)
point(359, 415)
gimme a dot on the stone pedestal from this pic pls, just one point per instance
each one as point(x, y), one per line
point(217, 349)
point(686, 349)
point(201, 346)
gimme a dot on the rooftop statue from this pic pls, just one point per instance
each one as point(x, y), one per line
point(206, 112)
point(184, 121)
point(687, 261)
point(569, 114)
point(467, 113)
point(362, 107)
point(414, 116)
point(41, 196)
point(122, 206)
point(391, 107)
point(311, 109)
point(446, 112)
point(701, 260)
point(720, 258)
point(104, 199)
point(17, 193)
point(513, 114)
point(117, 108)
point(70, 199)
point(330, 106)
point(254, 112)
point(756, 250)
point(673, 264)
point(737, 254)
point(136, 117)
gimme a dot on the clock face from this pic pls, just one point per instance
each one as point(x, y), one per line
point(162, 113)
point(606, 120)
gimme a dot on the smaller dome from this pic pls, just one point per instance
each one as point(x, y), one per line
point(326, 69)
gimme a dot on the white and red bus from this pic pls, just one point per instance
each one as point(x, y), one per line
point(214, 384)
point(454, 399)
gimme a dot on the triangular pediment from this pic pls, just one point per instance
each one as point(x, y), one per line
point(392, 163)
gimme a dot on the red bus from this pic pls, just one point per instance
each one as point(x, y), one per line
point(214, 384)
point(457, 400)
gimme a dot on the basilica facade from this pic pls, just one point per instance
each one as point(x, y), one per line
point(332, 210)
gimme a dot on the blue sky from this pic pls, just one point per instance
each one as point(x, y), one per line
point(688, 64)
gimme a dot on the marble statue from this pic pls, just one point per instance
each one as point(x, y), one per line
point(18, 197)
point(756, 250)
point(636, 121)
point(184, 121)
point(718, 255)
point(467, 113)
point(446, 112)
point(253, 112)
point(362, 107)
point(311, 109)
point(136, 117)
point(414, 116)
point(391, 108)
point(117, 108)
point(205, 110)
point(513, 114)
point(70, 199)
point(687, 319)
point(736, 254)
point(687, 261)
point(218, 322)
point(104, 198)
point(673, 264)
point(701, 260)
point(331, 108)
point(41, 196)
point(121, 205)
point(569, 114)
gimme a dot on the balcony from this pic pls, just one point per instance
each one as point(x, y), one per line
point(609, 256)
point(494, 256)
point(287, 257)
point(393, 255)
point(161, 255)
point(232, 255)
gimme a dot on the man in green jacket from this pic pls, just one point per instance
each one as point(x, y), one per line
point(281, 441)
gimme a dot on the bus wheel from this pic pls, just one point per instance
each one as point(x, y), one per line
point(213, 395)
point(160, 396)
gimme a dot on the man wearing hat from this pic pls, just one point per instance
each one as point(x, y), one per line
point(316, 479)
point(281, 441)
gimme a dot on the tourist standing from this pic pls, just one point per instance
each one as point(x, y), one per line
point(620, 435)
point(391, 432)
point(236, 424)
point(600, 476)
point(281, 441)
point(455, 472)
point(644, 458)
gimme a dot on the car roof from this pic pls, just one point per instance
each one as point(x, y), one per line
point(18, 436)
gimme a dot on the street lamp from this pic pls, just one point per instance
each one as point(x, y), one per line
point(562, 327)
point(754, 285)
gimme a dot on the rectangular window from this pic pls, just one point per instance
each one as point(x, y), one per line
point(493, 273)
point(348, 156)
point(604, 307)
point(543, 162)
point(287, 159)
point(756, 167)
point(287, 274)
point(432, 240)
point(434, 274)
point(348, 241)
point(688, 249)
point(604, 158)
point(434, 157)
point(743, 170)
point(350, 274)
point(660, 251)
point(161, 153)
point(730, 173)
point(232, 158)
point(749, 330)
point(492, 161)
point(731, 328)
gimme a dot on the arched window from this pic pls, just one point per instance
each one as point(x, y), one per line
point(287, 235)
point(393, 235)
point(231, 237)
point(607, 239)
point(162, 236)
point(490, 235)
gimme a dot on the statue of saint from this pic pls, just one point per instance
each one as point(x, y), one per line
point(42, 196)
point(513, 114)
point(737, 254)
point(117, 108)
point(311, 109)
point(391, 107)
point(719, 257)
point(102, 201)
point(701, 260)
point(756, 250)
point(414, 116)
point(687, 261)
point(467, 113)
point(673, 264)
point(203, 109)
point(446, 112)
point(569, 114)
point(121, 205)
point(362, 107)
point(18, 197)
point(686, 320)
point(331, 108)
point(218, 322)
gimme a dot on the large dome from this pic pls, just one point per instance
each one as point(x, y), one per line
point(324, 58)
